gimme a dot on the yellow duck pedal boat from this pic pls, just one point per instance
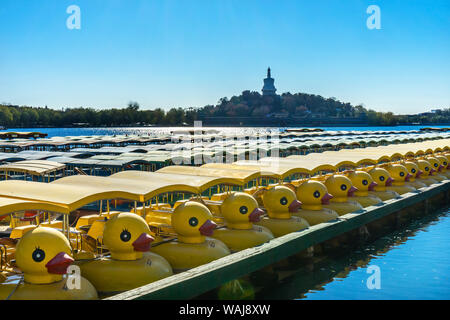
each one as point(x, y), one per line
point(437, 167)
point(240, 210)
point(130, 265)
point(43, 255)
point(341, 188)
point(192, 222)
point(364, 183)
point(415, 172)
point(445, 165)
point(427, 172)
point(280, 203)
point(400, 176)
point(313, 194)
point(384, 182)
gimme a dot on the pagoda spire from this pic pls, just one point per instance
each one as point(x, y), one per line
point(269, 87)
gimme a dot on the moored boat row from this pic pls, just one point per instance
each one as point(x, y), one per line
point(156, 224)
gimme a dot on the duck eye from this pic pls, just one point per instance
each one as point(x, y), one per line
point(193, 221)
point(426, 169)
point(316, 194)
point(402, 174)
point(445, 163)
point(283, 201)
point(38, 255)
point(413, 170)
point(243, 209)
point(435, 164)
point(365, 182)
point(343, 187)
point(125, 236)
point(381, 178)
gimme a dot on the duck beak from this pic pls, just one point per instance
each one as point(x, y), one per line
point(142, 244)
point(326, 198)
point(207, 229)
point(389, 182)
point(256, 214)
point(419, 173)
point(372, 186)
point(432, 171)
point(448, 166)
point(351, 191)
point(408, 176)
point(59, 264)
point(294, 206)
point(440, 168)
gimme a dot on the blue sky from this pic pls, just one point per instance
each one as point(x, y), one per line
point(189, 53)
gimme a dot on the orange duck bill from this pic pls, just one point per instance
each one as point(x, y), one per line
point(432, 171)
point(143, 243)
point(408, 176)
point(372, 186)
point(59, 264)
point(351, 191)
point(294, 206)
point(207, 229)
point(389, 182)
point(441, 167)
point(326, 198)
point(256, 214)
point(419, 173)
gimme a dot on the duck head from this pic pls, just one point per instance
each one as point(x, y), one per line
point(192, 222)
point(381, 177)
point(413, 170)
point(280, 202)
point(425, 167)
point(127, 236)
point(313, 194)
point(447, 156)
point(340, 187)
point(363, 182)
point(43, 254)
point(399, 173)
point(240, 211)
point(444, 162)
point(436, 164)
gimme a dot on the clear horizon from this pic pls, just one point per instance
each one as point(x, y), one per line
point(180, 53)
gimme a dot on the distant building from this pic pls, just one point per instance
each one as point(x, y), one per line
point(269, 87)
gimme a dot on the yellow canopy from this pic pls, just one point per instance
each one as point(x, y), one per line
point(67, 197)
point(243, 176)
point(176, 182)
point(265, 169)
point(8, 205)
point(126, 188)
point(299, 165)
point(34, 167)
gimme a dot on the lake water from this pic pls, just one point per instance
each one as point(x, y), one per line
point(52, 132)
point(414, 263)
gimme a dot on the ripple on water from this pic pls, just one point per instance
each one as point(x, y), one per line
point(417, 268)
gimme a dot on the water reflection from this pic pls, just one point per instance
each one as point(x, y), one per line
point(414, 264)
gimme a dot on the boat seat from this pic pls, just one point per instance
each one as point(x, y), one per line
point(52, 224)
point(18, 232)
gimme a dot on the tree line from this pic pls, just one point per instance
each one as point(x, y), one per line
point(301, 106)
